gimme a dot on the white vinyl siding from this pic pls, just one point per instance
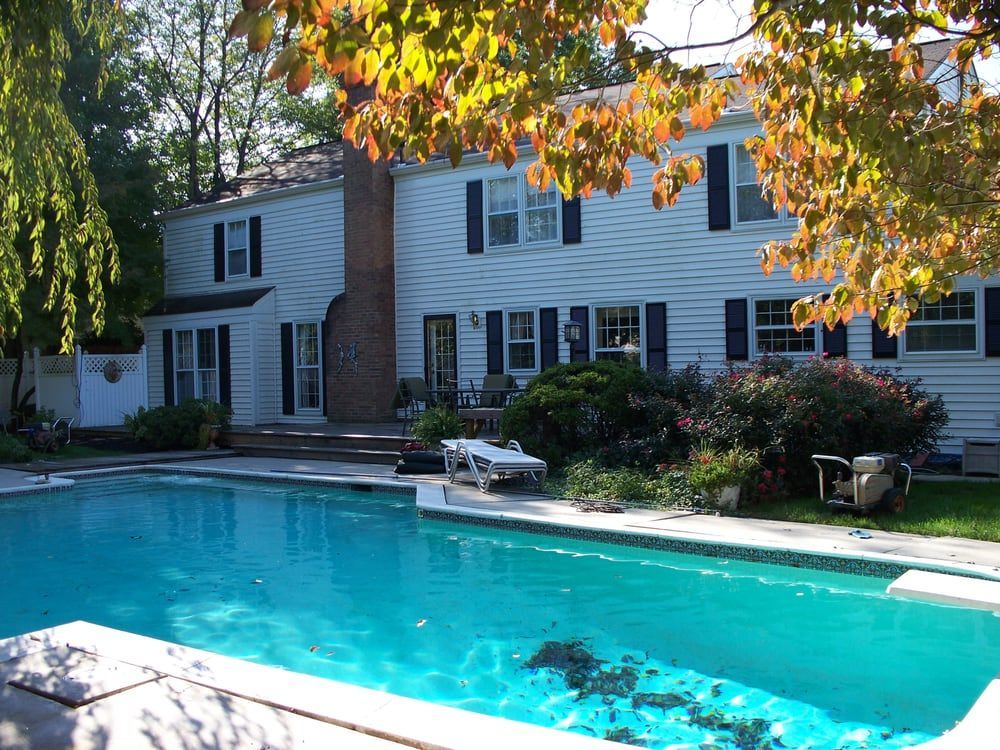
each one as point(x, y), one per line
point(948, 326)
point(774, 332)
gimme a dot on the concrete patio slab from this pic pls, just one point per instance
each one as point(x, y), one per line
point(71, 677)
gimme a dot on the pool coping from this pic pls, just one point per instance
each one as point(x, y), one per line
point(977, 729)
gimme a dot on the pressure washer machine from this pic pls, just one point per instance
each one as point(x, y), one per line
point(869, 482)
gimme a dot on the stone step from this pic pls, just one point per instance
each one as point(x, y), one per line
point(318, 453)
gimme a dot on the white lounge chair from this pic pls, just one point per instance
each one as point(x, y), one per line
point(485, 459)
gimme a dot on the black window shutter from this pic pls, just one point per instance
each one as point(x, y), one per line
point(287, 370)
point(220, 252)
point(580, 351)
point(717, 158)
point(256, 261)
point(548, 325)
point(168, 367)
point(656, 336)
point(474, 216)
point(883, 345)
point(992, 332)
point(737, 346)
point(835, 341)
point(571, 230)
point(322, 365)
point(494, 342)
point(225, 372)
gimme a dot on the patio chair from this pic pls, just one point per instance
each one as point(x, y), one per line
point(413, 397)
point(495, 393)
point(486, 460)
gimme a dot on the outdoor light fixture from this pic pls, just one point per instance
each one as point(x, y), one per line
point(572, 331)
point(474, 319)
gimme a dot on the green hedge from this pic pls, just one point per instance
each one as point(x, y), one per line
point(177, 427)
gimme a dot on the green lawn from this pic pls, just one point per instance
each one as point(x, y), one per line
point(966, 509)
point(75, 451)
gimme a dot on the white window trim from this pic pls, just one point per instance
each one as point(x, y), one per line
point(642, 328)
point(752, 312)
point(246, 228)
point(735, 223)
point(507, 342)
point(522, 211)
point(318, 366)
point(196, 369)
point(978, 320)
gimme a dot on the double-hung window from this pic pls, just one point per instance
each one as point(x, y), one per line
point(519, 214)
point(945, 326)
point(751, 205)
point(307, 365)
point(521, 341)
point(237, 248)
point(774, 332)
point(618, 333)
point(196, 364)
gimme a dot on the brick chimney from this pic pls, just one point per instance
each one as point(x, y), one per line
point(364, 317)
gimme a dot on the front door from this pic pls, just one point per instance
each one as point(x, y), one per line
point(440, 348)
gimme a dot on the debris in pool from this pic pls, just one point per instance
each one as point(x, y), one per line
point(626, 736)
point(662, 701)
point(421, 623)
point(463, 683)
point(313, 649)
point(257, 580)
point(861, 534)
point(135, 537)
point(330, 653)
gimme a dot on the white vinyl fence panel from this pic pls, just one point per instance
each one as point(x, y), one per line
point(111, 386)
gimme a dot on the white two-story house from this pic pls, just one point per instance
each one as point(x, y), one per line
point(486, 273)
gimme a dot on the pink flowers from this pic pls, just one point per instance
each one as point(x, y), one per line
point(685, 422)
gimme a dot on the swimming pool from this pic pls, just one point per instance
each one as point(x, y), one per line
point(660, 648)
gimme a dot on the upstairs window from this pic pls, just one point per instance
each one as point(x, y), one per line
point(521, 341)
point(774, 332)
point(948, 325)
point(518, 214)
point(237, 248)
point(751, 205)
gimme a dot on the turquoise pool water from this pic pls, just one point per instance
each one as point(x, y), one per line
point(659, 649)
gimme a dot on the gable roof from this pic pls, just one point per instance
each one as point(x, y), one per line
point(325, 161)
point(303, 166)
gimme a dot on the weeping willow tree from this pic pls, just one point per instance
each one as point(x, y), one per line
point(52, 227)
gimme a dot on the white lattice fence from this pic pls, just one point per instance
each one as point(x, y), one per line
point(8, 368)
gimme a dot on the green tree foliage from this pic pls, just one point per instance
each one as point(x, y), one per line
point(896, 186)
point(52, 226)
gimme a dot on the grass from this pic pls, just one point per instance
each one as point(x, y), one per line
point(965, 509)
point(74, 451)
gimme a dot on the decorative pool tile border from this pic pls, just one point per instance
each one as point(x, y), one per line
point(831, 563)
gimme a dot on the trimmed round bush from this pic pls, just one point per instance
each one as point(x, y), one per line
point(582, 408)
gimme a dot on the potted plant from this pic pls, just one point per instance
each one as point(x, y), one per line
point(719, 474)
point(215, 419)
point(437, 424)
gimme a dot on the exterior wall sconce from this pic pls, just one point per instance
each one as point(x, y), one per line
point(572, 331)
point(474, 319)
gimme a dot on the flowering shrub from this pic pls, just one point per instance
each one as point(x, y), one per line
point(820, 406)
point(712, 470)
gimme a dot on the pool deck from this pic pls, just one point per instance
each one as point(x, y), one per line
point(135, 692)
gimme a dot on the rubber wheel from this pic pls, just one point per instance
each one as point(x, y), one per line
point(894, 500)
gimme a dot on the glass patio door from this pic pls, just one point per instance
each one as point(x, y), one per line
point(440, 348)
